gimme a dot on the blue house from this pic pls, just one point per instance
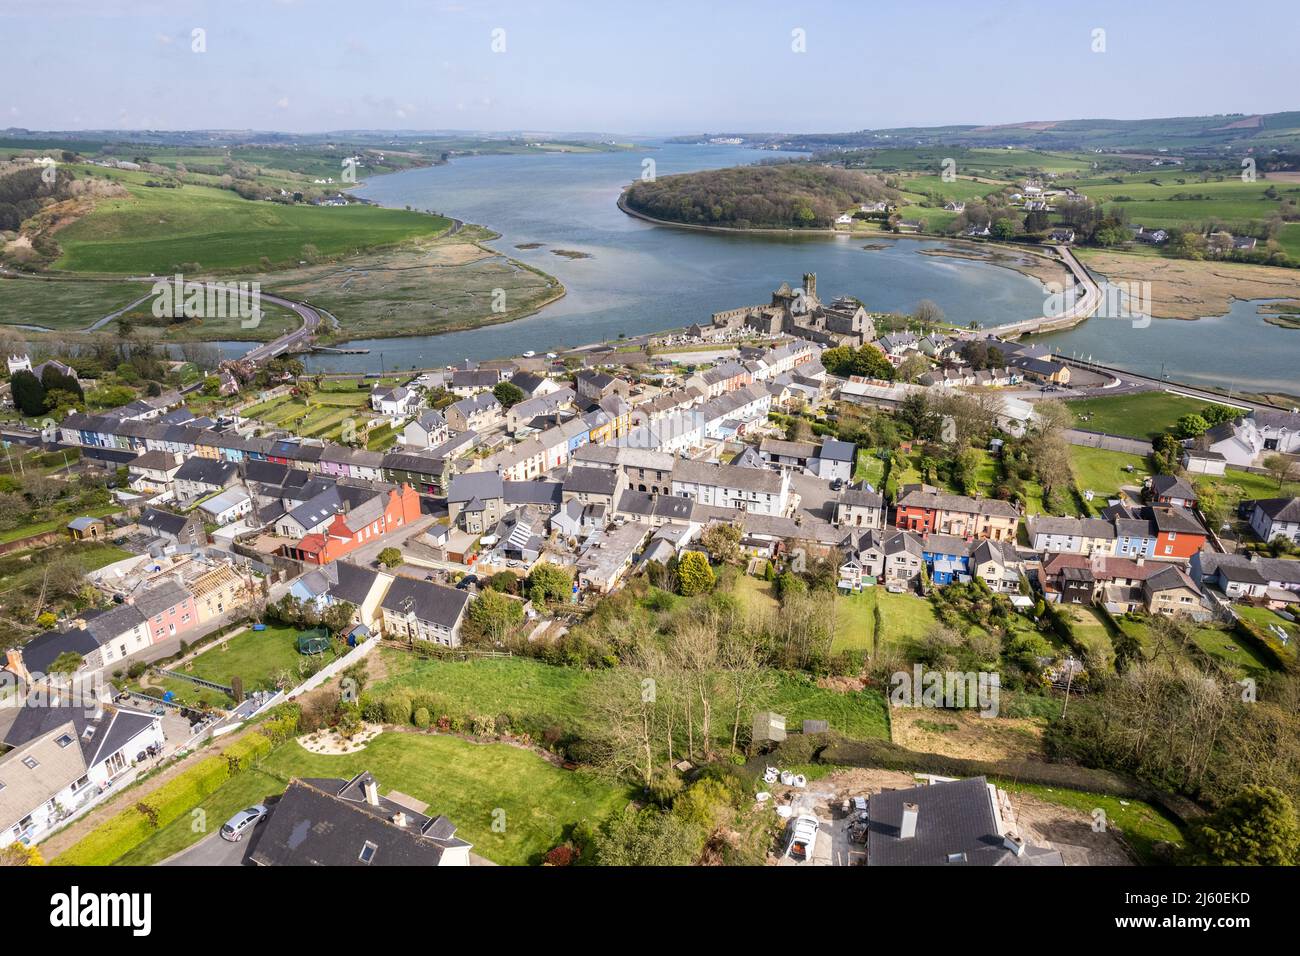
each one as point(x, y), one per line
point(947, 558)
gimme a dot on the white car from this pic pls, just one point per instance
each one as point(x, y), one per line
point(242, 822)
point(529, 354)
point(803, 838)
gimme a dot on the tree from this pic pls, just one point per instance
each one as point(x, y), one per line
point(694, 574)
point(28, 393)
point(69, 662)
point(549, 581)
point(1003, 229)
point(648, 837)
point(1257, 827)
point(493, 614)
point(928, 313)
point(337, 618)
point(1278, 468)
point(1191, 426)
point(390, 557)
point(722, 541)
point(508, 394)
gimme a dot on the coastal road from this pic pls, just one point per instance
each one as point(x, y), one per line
point(1083, 306)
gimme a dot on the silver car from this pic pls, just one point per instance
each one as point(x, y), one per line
point(243, 821)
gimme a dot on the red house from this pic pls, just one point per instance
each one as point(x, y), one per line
point(1178, 534)
point(384, 513)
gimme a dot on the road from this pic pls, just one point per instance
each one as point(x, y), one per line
point(1083, 306)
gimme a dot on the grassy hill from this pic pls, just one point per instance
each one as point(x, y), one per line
point(159, 230)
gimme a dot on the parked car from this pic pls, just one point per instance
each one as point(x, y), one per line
point(803, 838)
point(242, 822)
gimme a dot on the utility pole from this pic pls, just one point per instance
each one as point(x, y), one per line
point(1069, 682)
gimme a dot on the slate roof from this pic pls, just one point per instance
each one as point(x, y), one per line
point(327, 822)
point(956, 825)
point(475, 484)
point(593, 481)
point(434, 603)
point(208, 471)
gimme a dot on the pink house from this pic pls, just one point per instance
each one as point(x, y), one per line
point(168, 609)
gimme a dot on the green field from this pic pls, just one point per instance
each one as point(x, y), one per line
point(320, 415)
point(1151, 203)
point(160, 230)
point(1104, 472)
point(1139, 415)
point(561, 695)
point(1235, 485)
point(63, 305)
point(1090, 630)
point(254, 656)
point(855, 622)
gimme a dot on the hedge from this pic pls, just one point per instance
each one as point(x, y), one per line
point(132, 826)
point(1268, 646)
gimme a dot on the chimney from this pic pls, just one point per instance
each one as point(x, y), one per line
point(371, 790)
point(399, 818)
point(1140, 560)
point(908, 828)
point(1014, 843)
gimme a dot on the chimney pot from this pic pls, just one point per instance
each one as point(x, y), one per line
point(1015, 844)
point(911, 812)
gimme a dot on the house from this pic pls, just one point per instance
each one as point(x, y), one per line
point(87, 529)
point(1172, 490)
point(380, 514)
point(1272, 518)
point(835, 460)
point(203, 476)
point(180, 529)
point(534, 386)
point(217, 589)
point(997, 564)
point(575, 521)
point(1061, 236)
point(476, 501)
point(946, 558)
point(396, 402)
point(478, 413)
point(168, 609)
point(227, 507)
point(427, 430)
point(343, 582)
point(890, 558)
point(152, 472)
point(593, 385)
point(593, 486)
point(422, 610)
point(1178, 534)
point(1170, 591)
point(466, 382)
point(1245, 575)
point(62, 755)
point(726, 486)
point(1053, 534)
point(336, 822)
point(787, 455)
point(860, 508)
point(927, 511)
point(607, 555)
point(948, 823)
point(99, 637)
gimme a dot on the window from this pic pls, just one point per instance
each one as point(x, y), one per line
point(31, 763)
point(63, 740)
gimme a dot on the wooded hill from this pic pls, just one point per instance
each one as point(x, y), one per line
point(777, 196)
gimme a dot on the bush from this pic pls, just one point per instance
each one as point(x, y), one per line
point(421, 718)
point(397, 709)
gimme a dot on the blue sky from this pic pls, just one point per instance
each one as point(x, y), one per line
point(634, 67)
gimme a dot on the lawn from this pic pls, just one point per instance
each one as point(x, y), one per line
point(755, 594)
point(473, 785)
point(1103, 472)
point(255, 657)
point(59, 523)
point(1141, 824)
point(1235, 485)
point(160, 230)
point(869, 467)
point(855, 622)
point(905, 618)
point(1090, 630)
point(1222, 645)
point(1139, 415)
point(540, 693)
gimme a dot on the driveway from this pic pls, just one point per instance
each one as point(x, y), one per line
point(213, 851)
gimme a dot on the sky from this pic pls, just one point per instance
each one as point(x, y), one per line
point(636, 68)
